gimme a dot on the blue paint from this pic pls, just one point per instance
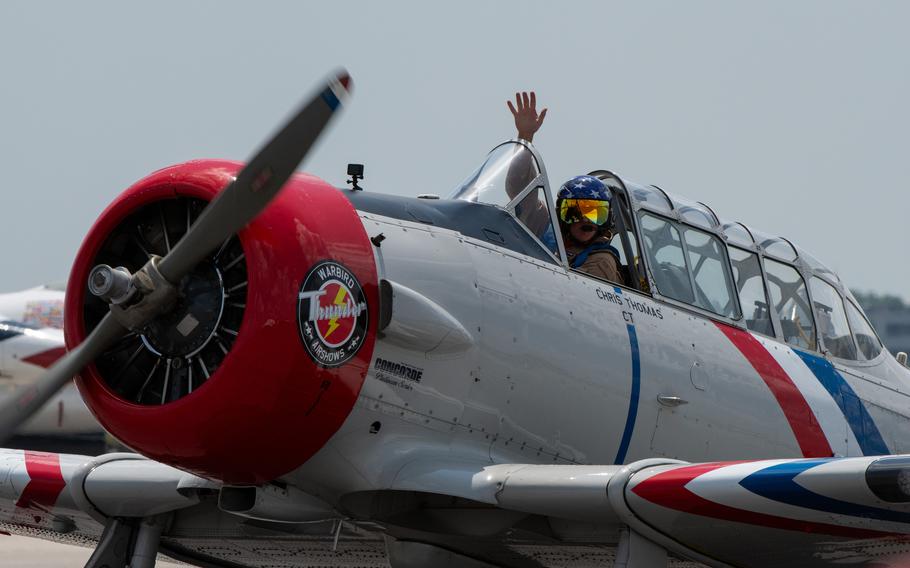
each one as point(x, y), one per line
point(330, 99)
point(633, 396)
point(9, 329)
point(6, 334)
point(778, 483)
point(861, 423)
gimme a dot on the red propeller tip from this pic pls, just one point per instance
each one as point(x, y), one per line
point(345, 81)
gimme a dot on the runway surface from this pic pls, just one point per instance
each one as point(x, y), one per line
point(22, 552)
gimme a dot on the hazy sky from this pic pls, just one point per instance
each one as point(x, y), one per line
point(789, 116)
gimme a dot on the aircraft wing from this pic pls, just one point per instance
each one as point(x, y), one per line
point(71, 499)
point(791, 512)
point(121, 503)
point(786, 513)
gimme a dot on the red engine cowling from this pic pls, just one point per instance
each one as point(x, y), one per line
point(263, 357)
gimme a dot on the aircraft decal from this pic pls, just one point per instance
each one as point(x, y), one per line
point(44, 313)
point(836, 405)
point(700, 490)
point(861, 423)
point(825, 409)
point(778, 483)
point(46, 358)
point(400, 375)
point(803, 422)
point(837, 423)
point(332, 314)
point(45, 481)
point(636, 389)
point(627, 302)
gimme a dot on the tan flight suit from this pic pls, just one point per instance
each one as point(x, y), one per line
point(600, 263)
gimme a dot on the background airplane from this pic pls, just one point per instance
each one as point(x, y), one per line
point(368, 379)
point(41, 306)
point(64, 423)
point(30, 341)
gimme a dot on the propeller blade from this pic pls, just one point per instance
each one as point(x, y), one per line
point(19, 407)
point(258, 183)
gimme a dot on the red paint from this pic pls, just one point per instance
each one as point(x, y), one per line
point(45, 481)
point(268, 407)
point(668, 489)
point(46, 358)
point(809, 435)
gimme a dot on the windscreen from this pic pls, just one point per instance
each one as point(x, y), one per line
point(507, 170)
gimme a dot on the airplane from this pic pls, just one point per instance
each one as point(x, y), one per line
point(331, 376)
point(40, 306)
point(30, 341)
point(64, 421)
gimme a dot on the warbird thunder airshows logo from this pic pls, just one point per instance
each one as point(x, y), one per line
point(332, 314)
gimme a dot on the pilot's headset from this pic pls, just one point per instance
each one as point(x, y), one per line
point(584, 198)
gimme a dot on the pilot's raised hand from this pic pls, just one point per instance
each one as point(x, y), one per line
point(527, 121)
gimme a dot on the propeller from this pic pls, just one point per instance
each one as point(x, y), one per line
point(136, 299)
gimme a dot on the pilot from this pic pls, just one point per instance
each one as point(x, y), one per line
point(583, 205)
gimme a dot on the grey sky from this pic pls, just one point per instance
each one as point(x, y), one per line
point(789, 116)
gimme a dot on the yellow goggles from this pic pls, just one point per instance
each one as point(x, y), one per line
point(593, 210)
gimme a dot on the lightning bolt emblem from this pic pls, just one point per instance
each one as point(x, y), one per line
point(339, 301)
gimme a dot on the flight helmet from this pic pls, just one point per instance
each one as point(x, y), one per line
point(584, 198)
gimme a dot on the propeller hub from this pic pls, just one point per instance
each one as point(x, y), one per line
point(194, 319)
point(110, 284)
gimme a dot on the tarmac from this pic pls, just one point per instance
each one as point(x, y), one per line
point(24, 552)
